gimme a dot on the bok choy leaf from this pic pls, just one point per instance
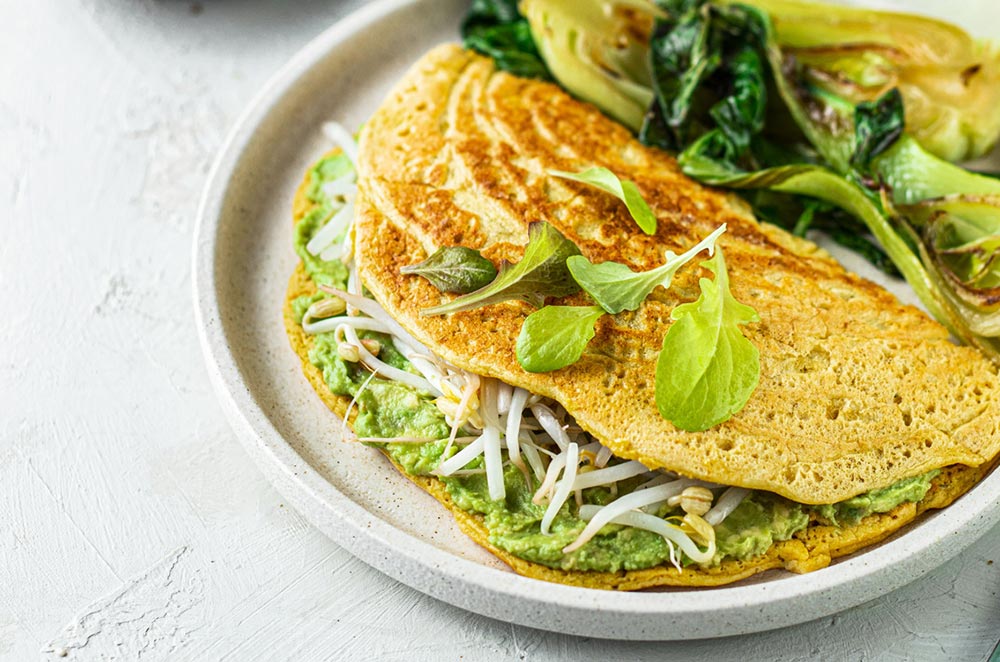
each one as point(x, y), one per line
point(497, 29)
point(597, 50)
point(949, 81)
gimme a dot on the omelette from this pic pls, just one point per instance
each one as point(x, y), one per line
point(865, 414)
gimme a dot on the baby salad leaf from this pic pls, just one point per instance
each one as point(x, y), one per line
point(455, 269)
point(555, 336)
point(541, 273)
point(616, 287)
point(623, 189)
point(707, 368)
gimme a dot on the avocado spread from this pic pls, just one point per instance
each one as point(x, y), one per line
point(389, 409)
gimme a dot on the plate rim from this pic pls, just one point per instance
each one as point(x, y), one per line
point(705, 612)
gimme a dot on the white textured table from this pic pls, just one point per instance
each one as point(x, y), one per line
point(131, 522)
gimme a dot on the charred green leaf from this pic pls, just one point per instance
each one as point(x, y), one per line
point(496, 29)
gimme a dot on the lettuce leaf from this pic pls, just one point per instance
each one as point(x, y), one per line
point(541, 273)
point(616, 287)
point(555, 336)
point(707, 368)
point(623, 189)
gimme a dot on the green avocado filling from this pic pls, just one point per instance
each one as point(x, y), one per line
point(388, 409)
point(323, 272)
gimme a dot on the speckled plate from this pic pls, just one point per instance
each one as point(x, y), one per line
point(242, 259)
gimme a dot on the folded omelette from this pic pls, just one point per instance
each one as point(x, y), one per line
point(865, 414)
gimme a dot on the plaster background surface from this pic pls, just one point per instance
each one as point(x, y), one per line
point(132, 524)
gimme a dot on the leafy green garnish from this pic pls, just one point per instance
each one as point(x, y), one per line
point(541, 273)
point(707, 368)
point(454, 269)
point(623, 189)
point(616, 287)
point(554, 337)
point(877, 125)
point(698, 46)
point(496, 28)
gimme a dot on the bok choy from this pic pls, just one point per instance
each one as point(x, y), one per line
point(497, 29)
point(950, 82)
point(828, 117)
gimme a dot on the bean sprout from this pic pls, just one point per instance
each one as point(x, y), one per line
point(551, 474)
point(639, 520)
point(331, 324)
point(373, 309)
point(345, 432)
point(564, 488)
point(342, 185)
point(343, 139)
point(331, 230)
point(460, 459)
point(610, 475)
point(515, 409)
point(647, 497)
point(726, 504)
point(551, 425)
point(382, 368)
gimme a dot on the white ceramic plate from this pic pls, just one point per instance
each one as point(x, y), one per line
point(242, 259)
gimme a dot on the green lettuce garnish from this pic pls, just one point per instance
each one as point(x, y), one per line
point(707, 368)
point(541, 273)
point(454, 269)
point(623, 189)
point(616, 287)
point(554, 337)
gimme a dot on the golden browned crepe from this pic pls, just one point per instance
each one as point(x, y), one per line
point(857, 391)
point(810, 549)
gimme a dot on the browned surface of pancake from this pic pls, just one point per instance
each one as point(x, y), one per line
point(811, 549)
point(856, 391)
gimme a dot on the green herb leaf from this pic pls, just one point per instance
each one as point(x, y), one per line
point(623, 189)
point(707, 368)
point(455, 269)
point(555, 336)
point(541, 273)
point(616, 287)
